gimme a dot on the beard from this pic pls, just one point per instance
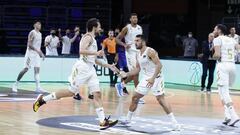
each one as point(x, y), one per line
point(138, 46)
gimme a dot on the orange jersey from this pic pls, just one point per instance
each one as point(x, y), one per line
point(110, 44)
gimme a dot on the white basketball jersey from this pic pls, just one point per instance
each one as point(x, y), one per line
point(92, 47)
point(145, 63)
point(131, 34)
point(37, 40)
point(227, 48)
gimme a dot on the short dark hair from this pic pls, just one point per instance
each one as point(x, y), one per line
point(93, 22)
point(36, 21)
point(223, 28)
point(133, 14)
point(141, 36)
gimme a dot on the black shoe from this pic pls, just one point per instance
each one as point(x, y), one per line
point(125, 90)
point(202, 89)
point(77, 97)
point(209, 89)
point(39, 102)
point(90, 96)
point(226, 121)
point(107, 123)
point(112, 85)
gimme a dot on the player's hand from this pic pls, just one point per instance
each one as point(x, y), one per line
point(123, 74)
point(127, 46)
point(41, 54)
point(100, 53)
point(150, 82)
point(114, 68)
point(77, 33)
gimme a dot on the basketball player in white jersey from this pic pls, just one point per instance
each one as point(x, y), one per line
point(83, 72)
point(224, 50)
point(129, 33)
point(148, 62)
point(32, 57)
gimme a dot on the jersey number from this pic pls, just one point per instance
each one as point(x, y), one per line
point(230, 53)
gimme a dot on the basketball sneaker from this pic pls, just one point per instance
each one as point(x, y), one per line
point(40, 90)
point(226, 121)
point(39, 102)
point(119, 89)
point(107, 123)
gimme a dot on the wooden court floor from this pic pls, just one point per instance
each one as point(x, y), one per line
point(17, 118)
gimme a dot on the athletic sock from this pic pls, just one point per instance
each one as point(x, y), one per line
point(226, 112)
point(49, 97)
point(100, 114)
point(232, 112)
point(37, 79)
point(172, 117)
point(129, 115)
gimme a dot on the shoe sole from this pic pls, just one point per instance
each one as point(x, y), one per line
point(113, 124)
point(37, 100)
point(232, 125)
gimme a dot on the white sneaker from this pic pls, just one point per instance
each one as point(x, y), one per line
point(176, 127)
point(40, 90)
point(14, 88)
point(125, 122)
point(141, 101)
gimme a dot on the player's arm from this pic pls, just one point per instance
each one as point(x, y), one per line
point(104, 44)
point(30, 41)
point(217, 49)
point(75, 36)
point(106, 65)
point(237, 47)
point(60, 35)
point(135, 71)
point(217, 52)
point(84, 44)
point(120, 36)
point(47, 41)
point(59, 43)
point(152, 54)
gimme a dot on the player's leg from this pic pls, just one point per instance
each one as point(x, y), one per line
point(224, 79)
point(211, 67)
point(94, 89)
point(234, 116)
point(76, 79)
point(110, 59)
point(204, 75)
point(19, 77)
point(41, 100)
point(133, 105)
point(221, 80)
point(37, 80)
point(158, 91)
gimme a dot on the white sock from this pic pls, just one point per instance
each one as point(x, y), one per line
point(37, 80)
point(172, 117)
point(232, 112)
point(226, 112)
point(100, 114)
point(16, 83)
point(129, 115)
point(49, 97)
